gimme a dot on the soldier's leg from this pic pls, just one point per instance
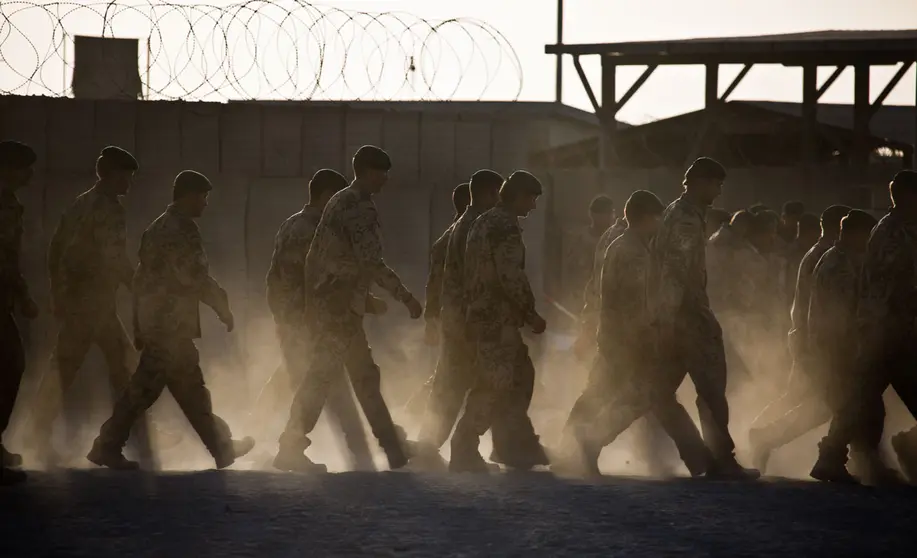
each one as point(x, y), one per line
point(343, 410)
point(12, 361)
point(595, 395)
point(73, 342)
point(515, 443)
point(366, 381)
point(185, 381)
point(904, 380)
point(675, 420)
point(447, 394)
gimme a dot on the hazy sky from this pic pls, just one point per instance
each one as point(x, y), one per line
point(530, 24)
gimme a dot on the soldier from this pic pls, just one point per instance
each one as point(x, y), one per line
point(579, 247)
point(499, 301)
point(454, 373)
point(832, 335)
point(679, 285)
point(797, 419)
point(285, 291)
point(173, 278)
point(16, 160)
point(716, 219)
point(344, 260)
point(627, 372)
point(789, 221)
point(885, 326)
point(87, 262)
point(461, 197)
point(806, 237)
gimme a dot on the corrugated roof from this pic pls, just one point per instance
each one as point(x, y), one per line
point(894, 122)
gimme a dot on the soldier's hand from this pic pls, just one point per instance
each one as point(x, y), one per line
point(414, 308)
point(29, 309)
point(229, 321)
point(431, 334)
point(376, 306)
point(538, 324)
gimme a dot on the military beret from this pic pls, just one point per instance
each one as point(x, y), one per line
point(370, 157)
point(461, 196)
point(519, 183)
point(601, 204)
point(705, 168)
point(326, 180)
point(16, 155)
point(905, 180)
point(858, 220)
point(794, 208)
point(190, 182)
point(832, 216)
point(642, 203)
point(118, 159)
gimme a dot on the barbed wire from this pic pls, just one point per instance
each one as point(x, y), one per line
point(284, 50)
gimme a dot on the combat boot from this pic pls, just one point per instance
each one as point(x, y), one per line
point(237, 449)
point(427, 458)
point(292, 458)
point(727, 468)
point(471, 462)
point(111, 458)
point(9, 477)
point(8, 459)
point(831, 465)
point(905, 446)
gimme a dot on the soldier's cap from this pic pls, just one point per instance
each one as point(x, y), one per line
point(601, 204)
point(327, 179)
point(763, 222)
point(485, 178)
point(16, 155)
point(118, 159)
point(370, 157)
point(641, 204)
point(741, 217)
point(461, 196)
point(520, 183)
point(190, 182)
point(794, 208)
point(904, 180)
point(858, 220)
point(831, 217)
point(809, 222)
point(705, 168)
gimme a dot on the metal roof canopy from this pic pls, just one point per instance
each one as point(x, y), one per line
point(860, 49)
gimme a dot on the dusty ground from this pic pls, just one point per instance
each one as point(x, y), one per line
point(99, 513)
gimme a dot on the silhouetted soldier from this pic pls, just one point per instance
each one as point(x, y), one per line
point(803, 387)
point(579, 245)
point(455, 372)
point(344, 260)
point(16, 160)
point(832, 334)
point(87, 262)
point(170, 283)
point(285, 297)
point(716, 219)
point(629, 379)
point(679, 284)
point(499, 301)
point(789, 221)
point(809, 231)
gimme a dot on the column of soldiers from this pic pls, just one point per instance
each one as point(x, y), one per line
point(648, 322)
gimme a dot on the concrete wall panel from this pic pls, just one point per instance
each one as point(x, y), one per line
point(240, 139)
point(159, 138)
point(200, 137)
point(282, 130)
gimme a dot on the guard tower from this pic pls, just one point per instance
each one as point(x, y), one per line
point(860, 50)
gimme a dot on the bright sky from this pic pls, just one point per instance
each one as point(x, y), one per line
point(527, 26)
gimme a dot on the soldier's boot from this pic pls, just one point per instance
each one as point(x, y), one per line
point(528, 459)
point(291, 457)
point(237, 449)
point(727, 468)
point(831, 465)
point(760, 449)
point(905, 446)
point(8, 459)
point(426, 457)
point(9, 477)
point(113, 458)
point(875, 472)
point(471, 462)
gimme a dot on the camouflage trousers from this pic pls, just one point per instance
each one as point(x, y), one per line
point(12, 359)
point(295, 346)
point(74, 339)
point(173, 364)
point(502, 392)
point(339, 343)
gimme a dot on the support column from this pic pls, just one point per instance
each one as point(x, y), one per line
point(862, 111)
point(913, 160)
point(711, 91)
point(608, 112)
point(809, 113)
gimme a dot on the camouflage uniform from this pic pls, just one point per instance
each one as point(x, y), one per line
point(344, 260)
point(498, 301)
point(579, 259)
point(628, 357)
point(173, 278)
point(285, 296)
point(679, 284)
point(592, 293)
point(87, 262)
point(13, 292)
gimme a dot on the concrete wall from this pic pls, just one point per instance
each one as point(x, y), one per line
point(260, 157)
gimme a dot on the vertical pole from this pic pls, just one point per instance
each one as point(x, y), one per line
point(711, 86)
point(609, 109)
point(861, 116)
point(809, 111)
point(558, 87)
point(149, 56)
point(914, 150)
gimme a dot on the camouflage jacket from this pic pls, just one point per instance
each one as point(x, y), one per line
point(434, 291)
point(497, 291)
point(589, 316)
point(735, 270)
point(625, 318)
point(578, 258)
point(345, 258)
point(799, 312)
point(173, 278)
point(679, 266)
point(87, 255)
point(13, 288)
point(286, 275)
point(833, 301)
point(793, 256)
point(888, 291)
point(453, 295)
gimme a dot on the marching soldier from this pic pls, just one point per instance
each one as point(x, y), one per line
point(579, 246)
point(173, 278)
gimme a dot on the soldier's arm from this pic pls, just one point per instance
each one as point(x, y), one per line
point(434, 289)
point(509, 260)
point(680, 280)
point(110, 234)
point(829, 305)
point(192, 271)
point(362, 227)
point(10, 252)
point(55, 251)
